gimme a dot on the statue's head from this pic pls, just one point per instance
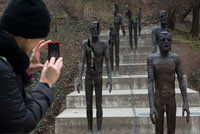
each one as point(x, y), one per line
point(163, 17)
point(116, 8)
point(95, 29)
point(140, 9)
point(164, 41)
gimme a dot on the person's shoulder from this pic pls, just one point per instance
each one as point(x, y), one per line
point(120, 15)
point(5, 66)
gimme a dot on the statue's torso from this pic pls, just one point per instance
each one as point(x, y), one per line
point(117, 22)
point(164, 75)
point(99, 49)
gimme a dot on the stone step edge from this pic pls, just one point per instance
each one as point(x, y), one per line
point(121, 113)
point(126, 92)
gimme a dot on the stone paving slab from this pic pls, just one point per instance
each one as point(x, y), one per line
point(135, 69)
point(123, 82)
point(125, 98)
point(122, 121)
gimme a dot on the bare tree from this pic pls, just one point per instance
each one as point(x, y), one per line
point(195, 20)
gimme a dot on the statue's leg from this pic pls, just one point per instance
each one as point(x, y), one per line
point(98, 95)
point(117, 53)
point(160, 118)
point(111, 52)
point(89, 96)
point(140, 30)
point(171, 116)
point(136, 44)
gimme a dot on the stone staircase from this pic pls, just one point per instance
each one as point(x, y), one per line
point(119, 116)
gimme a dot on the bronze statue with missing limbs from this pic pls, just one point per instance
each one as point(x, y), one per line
point(162, 67)
point(93, 52)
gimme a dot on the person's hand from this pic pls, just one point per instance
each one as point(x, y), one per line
point(79, 86)
point(109, 83)
point(35, 64)
point(186, 109)
point(153, 114)
point(51, 71)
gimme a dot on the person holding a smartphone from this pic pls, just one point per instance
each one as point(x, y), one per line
point(22, 25)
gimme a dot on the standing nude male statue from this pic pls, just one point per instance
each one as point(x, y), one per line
point(139, 21)
point(135, 34)
point(118, 21)
point(162, 67)
point(156, 30)
point(94, 51)
point(130, 26)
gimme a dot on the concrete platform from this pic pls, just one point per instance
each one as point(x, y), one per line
point(125, 98)
point(123, 82)
point(135, 69)
point(123, 121)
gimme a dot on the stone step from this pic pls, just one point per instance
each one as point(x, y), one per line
point(123, 81)
point(134, 59)
point(135, 69)
point(123, 121)
point(124, 42)
point(126, 98)
point(141, 50)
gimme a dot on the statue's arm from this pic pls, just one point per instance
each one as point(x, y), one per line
point(181, 80)
point(154, 40)
point(122, 25)
point(153, 111)
point(183, 88)
point(150, 80)
point(107, 58)
point(82, 61)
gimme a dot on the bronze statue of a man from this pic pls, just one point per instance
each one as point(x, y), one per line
point(156, 30)
point(93, 51)
point(135, 24)
point(139, 21)
point(162, 67)
point(130, 25)
point(118, 21)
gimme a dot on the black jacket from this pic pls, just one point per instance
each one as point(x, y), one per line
point(19, 113)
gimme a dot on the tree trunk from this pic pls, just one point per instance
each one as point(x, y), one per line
point(171, 18)
point(195, 20)
point(183, 15)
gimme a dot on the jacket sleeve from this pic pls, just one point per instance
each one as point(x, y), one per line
point(37, 104)
point(19, 114)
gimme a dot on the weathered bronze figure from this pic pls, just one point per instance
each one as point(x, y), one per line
point(130, 25)
point(94, 51)
point(162, 67)
point(139, 21)
point(135, 34)
point(158, 29)
point(118, 21)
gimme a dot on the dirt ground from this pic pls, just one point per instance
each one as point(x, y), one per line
point(190, 59)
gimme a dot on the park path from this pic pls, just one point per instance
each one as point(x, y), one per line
point(126, 108)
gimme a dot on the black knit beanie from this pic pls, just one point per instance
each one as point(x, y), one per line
point(26, 18)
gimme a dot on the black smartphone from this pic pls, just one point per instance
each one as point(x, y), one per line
point(54, 49)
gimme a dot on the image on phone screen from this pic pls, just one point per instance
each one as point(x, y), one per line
point(53, 48)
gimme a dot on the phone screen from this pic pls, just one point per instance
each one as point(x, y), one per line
point(54, 51)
